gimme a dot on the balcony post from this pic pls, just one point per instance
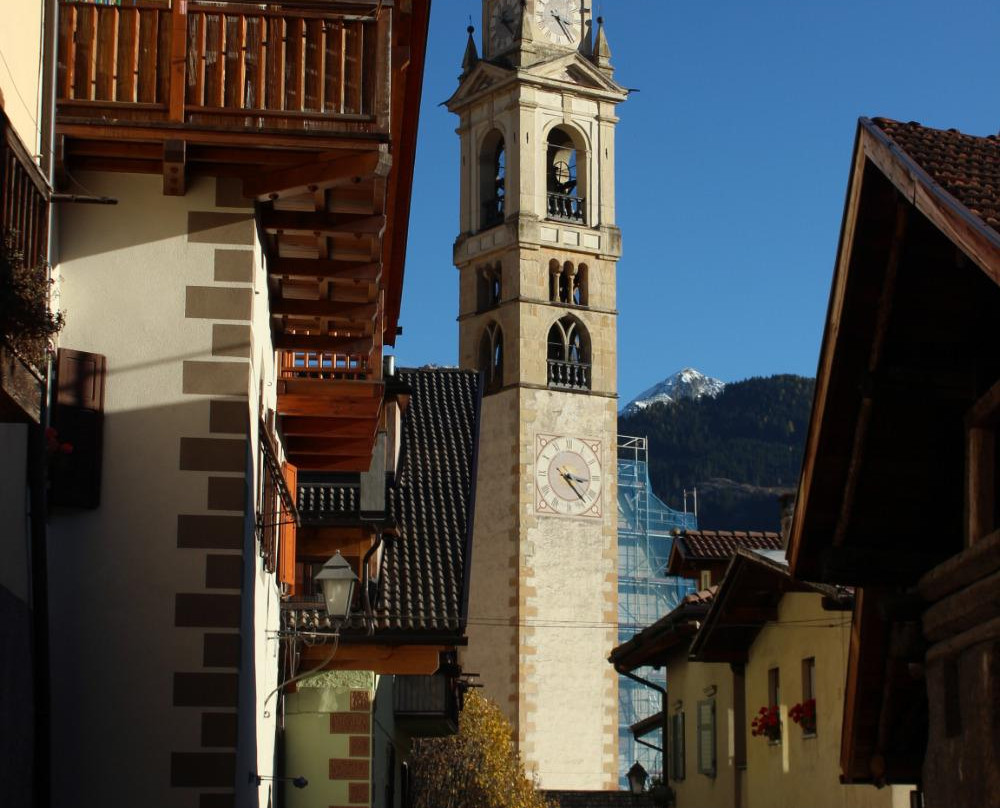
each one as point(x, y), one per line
point(178, 60)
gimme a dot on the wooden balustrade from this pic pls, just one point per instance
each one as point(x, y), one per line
point(273, 65)
point(24, 204)
point(323, 365)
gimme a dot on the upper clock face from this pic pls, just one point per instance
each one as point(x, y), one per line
point(505, 21)
point(568, 476)
point(560, 20)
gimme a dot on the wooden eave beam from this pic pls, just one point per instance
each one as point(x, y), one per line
point(382, 659)
point(327, 309)
point(324, 270)
point(318, 174)
point(291, 222)
point(318, 342)
point(329, 447)
point(320, 406)
point(319, 543)
point(325, 427)
point(321, 463)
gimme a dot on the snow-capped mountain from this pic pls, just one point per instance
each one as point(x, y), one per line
point(686, 383)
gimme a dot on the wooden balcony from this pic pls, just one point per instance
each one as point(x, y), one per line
point(426, 706)
point(24, 226)
point(216, 71)
point(312, 105)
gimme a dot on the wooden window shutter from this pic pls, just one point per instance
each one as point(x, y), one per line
point(78, 420)
point(286, 563)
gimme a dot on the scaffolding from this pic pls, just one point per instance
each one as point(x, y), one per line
point(645, 593)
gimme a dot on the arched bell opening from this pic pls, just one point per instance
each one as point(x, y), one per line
point(492, 180)
point(489, 287)
point(491, 357)
point(565, 177)
point(569, 359)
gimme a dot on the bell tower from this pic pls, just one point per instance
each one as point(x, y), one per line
point(537, 254)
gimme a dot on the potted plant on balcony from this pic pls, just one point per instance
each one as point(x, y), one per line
point(26, 321)
point(804, 714)
point(767, 723)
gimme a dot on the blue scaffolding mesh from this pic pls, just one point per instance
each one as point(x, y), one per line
point(645, 593)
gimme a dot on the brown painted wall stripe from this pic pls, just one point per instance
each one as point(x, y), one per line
point(361, 700)
point(221, 651)
point(206, 689)
point(216, 378)
point(229, 416)
point(347, 723)
point(227, 493)
point(231, 340)
point(213, 454)
point(192, 610)
point(347, 769)
point(357, 793)
point(216, 801)
point(210, 532)
point(359, 746)
point(202, 769)
point(234, 266)
point(229, 193)
point(211, 227)
point(224, 572)
point(218, 729)
point(218, 302)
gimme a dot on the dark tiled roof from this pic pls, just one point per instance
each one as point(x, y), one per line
point(425, 569)
point(318, 501)
point(600, 799)
point(722, 544)
point(966, 166)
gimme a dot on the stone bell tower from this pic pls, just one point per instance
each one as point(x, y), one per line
point(537, 254)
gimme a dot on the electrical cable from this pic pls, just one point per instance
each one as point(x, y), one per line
point(317, 669)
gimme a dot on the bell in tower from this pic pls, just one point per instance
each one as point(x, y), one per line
point(536, 255)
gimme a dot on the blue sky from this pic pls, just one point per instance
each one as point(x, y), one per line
point(733, 164)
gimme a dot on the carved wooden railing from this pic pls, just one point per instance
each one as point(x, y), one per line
point(322, 365)
point(571, 375)
point(274, 65)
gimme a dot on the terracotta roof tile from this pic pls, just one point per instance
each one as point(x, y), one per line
point(966, 166)
point(722, 544)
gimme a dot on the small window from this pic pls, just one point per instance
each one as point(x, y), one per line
point(706, 737)
point(491, 357)
point(773, 687)
point(705, 579)
point(676, 750)
point(489, 287)
point(804, 713)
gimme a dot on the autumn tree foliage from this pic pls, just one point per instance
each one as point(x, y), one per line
point(477, 768)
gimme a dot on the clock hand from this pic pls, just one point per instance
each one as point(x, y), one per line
point(562, 25)
point(568, 477)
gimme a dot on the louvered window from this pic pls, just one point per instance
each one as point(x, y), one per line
point(706, 737)
point(677, 746)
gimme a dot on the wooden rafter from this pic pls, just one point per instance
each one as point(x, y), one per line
point(318, 174)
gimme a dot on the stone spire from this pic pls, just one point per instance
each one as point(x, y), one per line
point(601, 55)
point(471, 58)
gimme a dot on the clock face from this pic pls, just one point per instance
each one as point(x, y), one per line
point(568, 476)
point(560, 20)
point(505, 21)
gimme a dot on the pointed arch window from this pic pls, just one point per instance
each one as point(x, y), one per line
point(569, 355)
point(491, 357)
point(565, 178)
point(493, 179)
point(489, 287)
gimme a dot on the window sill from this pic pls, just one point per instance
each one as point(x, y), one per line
point(806, 736)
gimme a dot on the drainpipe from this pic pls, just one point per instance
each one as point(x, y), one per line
point(663, 710)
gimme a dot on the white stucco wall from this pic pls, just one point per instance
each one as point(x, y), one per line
point(20, 68)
